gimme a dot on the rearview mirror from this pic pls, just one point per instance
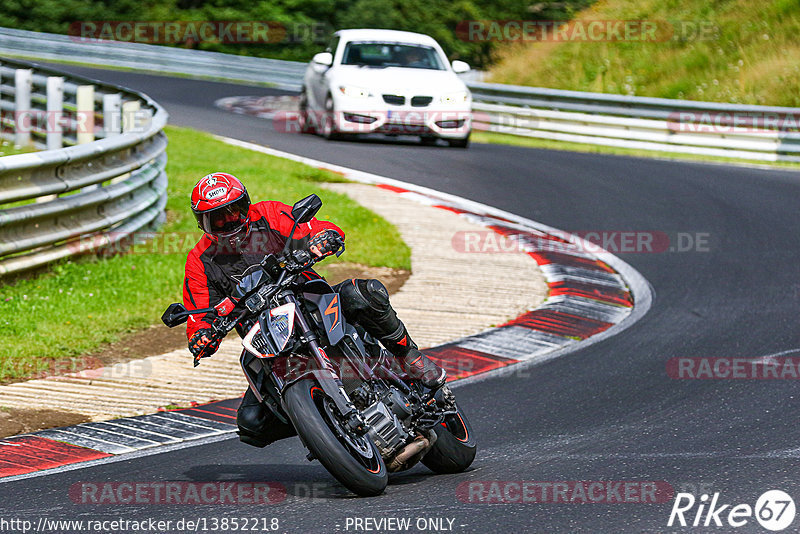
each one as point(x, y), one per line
point(175, 315)
point(323, 58)
point(305, 209)
point(460, 67)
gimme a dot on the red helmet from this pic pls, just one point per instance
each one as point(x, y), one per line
point(221, 205)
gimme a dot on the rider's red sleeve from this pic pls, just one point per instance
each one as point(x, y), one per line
point(196, 293)
point(279, 219)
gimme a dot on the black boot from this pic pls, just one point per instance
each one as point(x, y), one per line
point(258, 426)
point(416, 365)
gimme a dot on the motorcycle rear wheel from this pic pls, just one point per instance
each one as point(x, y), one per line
point(353, 460)
point(455, 446)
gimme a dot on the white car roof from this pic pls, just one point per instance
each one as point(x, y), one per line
point(366, 34)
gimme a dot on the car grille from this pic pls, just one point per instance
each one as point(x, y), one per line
point(421, 101)
point(396, 100)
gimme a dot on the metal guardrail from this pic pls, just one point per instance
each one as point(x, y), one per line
point(154, 58)
point(680, 126)
point(683, 126)
point(62, 202)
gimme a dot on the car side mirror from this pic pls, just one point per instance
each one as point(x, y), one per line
point(460, 67)
point(323, 58)
point(305, 209)
point(175, 315)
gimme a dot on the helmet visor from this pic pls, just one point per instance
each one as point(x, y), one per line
point(225, 220)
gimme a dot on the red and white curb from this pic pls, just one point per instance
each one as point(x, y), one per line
point(592, 296)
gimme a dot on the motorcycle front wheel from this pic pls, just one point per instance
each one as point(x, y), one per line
point(354, 460)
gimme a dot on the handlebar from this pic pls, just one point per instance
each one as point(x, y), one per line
point(291, 265)
point(299, 261)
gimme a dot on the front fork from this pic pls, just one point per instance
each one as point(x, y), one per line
point(325, 373)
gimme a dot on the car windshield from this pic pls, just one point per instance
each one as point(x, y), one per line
point(380, 54)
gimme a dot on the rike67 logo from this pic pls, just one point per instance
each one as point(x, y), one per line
point(774, 510)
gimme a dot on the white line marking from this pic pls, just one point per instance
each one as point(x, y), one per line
point(79, 440)
point(131, 427)
point(127, 437)
point(183, 419)
point(768, 357)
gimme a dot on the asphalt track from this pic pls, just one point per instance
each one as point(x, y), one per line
point(608, 412)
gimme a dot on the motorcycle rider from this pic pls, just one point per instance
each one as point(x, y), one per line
point(237, 236)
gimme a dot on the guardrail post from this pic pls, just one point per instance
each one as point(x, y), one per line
point(55, 112)
point(130, 112)
point(112, 114)
point(84, 100)
point(23, 118)
point(84, 104)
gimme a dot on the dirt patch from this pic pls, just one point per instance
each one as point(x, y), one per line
point(393, 279)
point(158, 339)
point(15, 421)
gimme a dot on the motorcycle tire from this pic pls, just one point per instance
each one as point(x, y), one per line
point(455, 446)
point(353, 461)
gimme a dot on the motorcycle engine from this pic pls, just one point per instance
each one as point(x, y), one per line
point(384, 418)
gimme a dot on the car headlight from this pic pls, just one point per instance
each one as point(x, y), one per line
point(353, 91)
point(459, 97)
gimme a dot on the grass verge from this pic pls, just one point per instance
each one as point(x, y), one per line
point(737, 51)
point(7, 148)
point(49, 321)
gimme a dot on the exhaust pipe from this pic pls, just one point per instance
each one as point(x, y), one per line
point(412, 453)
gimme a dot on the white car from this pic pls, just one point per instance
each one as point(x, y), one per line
point(386, 81)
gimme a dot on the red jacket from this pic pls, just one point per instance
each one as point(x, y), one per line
point(213, 272)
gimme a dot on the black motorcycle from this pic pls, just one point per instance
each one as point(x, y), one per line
point(351, 404)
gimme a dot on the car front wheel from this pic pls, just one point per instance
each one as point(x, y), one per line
point(306, 120)
point(329, 129)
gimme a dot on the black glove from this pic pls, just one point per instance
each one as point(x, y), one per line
point(203, 344)
point(325, 243)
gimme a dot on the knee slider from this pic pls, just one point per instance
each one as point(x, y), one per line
point(364, 297)
point(376, 294)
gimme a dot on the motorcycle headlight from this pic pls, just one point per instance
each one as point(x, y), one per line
point(459, 97)
point(354, 92)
